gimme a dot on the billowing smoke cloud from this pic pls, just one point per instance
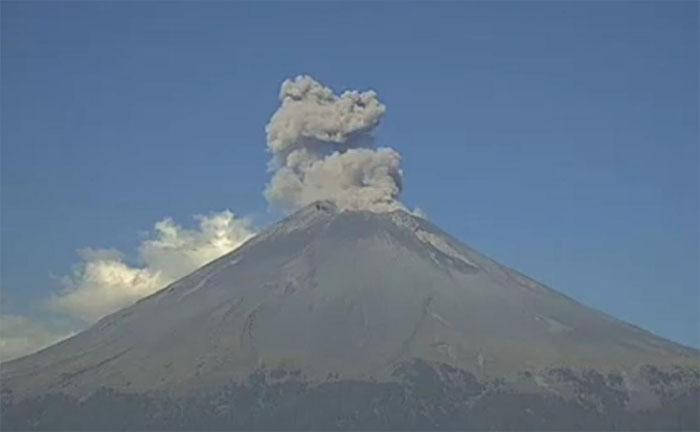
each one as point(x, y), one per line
point(103, 283)
point(322, 147)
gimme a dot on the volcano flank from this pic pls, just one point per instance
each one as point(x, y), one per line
point(350, 319)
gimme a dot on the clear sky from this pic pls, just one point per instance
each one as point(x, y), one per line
point(560, 138)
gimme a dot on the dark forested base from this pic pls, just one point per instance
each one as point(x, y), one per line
point(423, 397)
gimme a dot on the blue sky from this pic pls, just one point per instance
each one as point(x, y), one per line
point(560, 138)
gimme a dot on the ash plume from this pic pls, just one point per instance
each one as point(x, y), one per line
point(322, 148)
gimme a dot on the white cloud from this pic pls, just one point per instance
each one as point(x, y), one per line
point(175, 251)
point(101, 285)
point(103, 282)
point(20, 336)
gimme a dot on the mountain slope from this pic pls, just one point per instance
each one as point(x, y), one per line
point(350, 298)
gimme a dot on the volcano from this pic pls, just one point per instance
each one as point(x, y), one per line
point(338, 319)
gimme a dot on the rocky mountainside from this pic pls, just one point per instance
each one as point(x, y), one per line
point(355, 320)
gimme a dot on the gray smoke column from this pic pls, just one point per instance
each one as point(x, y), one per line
point(322, 148)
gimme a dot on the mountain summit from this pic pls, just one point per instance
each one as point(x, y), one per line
point(355, 320)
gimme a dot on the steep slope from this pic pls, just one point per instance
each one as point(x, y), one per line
point(331, 297)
